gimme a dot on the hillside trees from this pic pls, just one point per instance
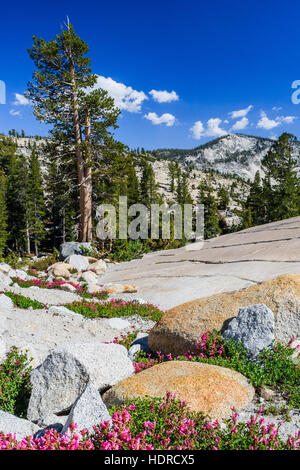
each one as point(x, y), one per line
point(35, 205)
point(3, 213)
point(82, 117)
point(211, 217)
point(280, 168)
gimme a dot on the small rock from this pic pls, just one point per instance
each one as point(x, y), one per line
point(68, 288)
point(60, 269)
point(79, 262)
point(94, 289)
point(99, 267)
point(4, 268)
point(6, 303)
point(63, 311)
point(253, 327)
point(266, 393)
point(89, 277)
point(87, 411)
point(10, 424)
point(138, 345)
point(118, 323)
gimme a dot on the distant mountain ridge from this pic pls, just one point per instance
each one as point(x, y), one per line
point(234, 154)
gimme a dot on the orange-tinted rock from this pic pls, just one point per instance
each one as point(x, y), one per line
point(211, 389)
point(179, 329)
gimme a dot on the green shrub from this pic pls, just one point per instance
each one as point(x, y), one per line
point(15, 384)
point(24, 302)
point(44, 263)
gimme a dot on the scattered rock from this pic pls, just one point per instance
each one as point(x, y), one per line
point(73, 248)
point(63, 311)
point(266, 393)
point(4, 268)
point(78, 262)
point(60, 269)
point(253, 327)
point(6, 303)
point(94, 289)
point(68, 288)
point(99, 267)
point(120, 288)
point(88, 410)
point(10, 424)
point(89, 277)
point(138, 345)
point(296, 354)
point(118, 323)
point(55, 385)
point(211, 389)
point(180, 328)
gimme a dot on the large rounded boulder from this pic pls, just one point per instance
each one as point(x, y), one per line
point(179, 329)
point(211, 389)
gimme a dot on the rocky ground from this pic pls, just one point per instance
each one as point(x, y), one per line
point(74, 357)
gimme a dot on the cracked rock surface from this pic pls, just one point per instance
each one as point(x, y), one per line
point(223, 264)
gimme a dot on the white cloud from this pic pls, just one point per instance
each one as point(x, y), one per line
point(21, 100)
point(241, 124)
point(166, 118)
point(287, 119)
point(240, 113)
point(266, 123)
point(276, 108)
point(197, 130)
point(126, 98)
point(13, 112)
point(213, 129)
point(164, 96)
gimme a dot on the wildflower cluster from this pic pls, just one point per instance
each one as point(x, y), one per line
point(43, 284)
point(15, 382)
point(161, 424)
point(115, 308)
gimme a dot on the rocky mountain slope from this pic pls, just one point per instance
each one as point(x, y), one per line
point(235, 154)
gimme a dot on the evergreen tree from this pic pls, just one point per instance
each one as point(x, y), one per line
point(223, 198)
point(211, 217)
point(82, 121)
point(148, 186)
point(280, 168)
point(35, 204)
point(16, 201)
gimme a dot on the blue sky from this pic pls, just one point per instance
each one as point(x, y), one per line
point(211, 67)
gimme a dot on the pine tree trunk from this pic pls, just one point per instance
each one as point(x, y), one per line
point(28, 240)
point(79, 157)
point(88, 181)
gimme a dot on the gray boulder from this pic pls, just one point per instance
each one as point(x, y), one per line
point(138, 345)
point(253, 327)
point(10, 424)
point(73, 248)
point(81, 263)
point(63, 376)
point(56, 384)
point(88, 411)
